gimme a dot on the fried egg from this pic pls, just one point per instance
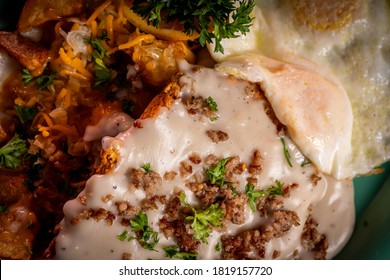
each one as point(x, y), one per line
point(348, 39)
point(314, 108)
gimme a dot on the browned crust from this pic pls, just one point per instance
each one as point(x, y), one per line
point(12, 186)
point(13, 246)
point(28, 53)
point(165, 99)
point(38, 12)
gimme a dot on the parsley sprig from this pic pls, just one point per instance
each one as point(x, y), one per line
point(145, 234)
point(217, 173)
point(271, 192)
point(174, 252)
point(102, 73)
point(210, 102)
point(43, 81)
point(26, 76)
point(147, 167)
point(202, 220)
point(11, 154)
point(211, 19)
point(26, 113)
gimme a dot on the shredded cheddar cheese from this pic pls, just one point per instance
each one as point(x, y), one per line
point(96, 13)
point(75, 63)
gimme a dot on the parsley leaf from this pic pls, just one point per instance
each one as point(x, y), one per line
point(123, 235)
point(26, 113)
point(147, 167)
point(217, 247)
point(26, 76)
point(202, 220)
point(43, 81)
point(210, 102)
point(286, 152)
point(139, 225)
point(216, 174)
point(11, 153)
point(212, 19)
point(174, 252)
point(102, 73)
point(271, 192)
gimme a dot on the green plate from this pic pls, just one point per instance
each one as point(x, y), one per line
point(371, 237)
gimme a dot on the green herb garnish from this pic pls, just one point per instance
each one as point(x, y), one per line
point(139, 225)
point(210, 102)
point(286, 152)
point(217, 247)
point(202, 220)
point(212, 19)
point(43, 81)
point(123, 235)
point(147, 167)
point(26, 113)
point(26, 76)
point(102, 73)
point(216, 174)
point(174, 252)
point(11, 153)
point(271, 192)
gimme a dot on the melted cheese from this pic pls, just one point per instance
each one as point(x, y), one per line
point(170, 138)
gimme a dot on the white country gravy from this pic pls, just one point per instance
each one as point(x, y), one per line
point(168, 139)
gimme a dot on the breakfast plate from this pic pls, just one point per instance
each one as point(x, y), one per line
point(371, 193)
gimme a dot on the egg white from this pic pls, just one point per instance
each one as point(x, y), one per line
point(315, 109)
point(349, 39)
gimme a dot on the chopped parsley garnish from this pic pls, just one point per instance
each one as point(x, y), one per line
point(217, 173)
point(202, 220)
point(3, 209)
point(271, 192)
point(145, 234)
point(26, 76)
point(234, 190)
point(210, 102)
point(26, 113)
point(43, 81)
point(217, 247)
point(102, 73)
point(147, 167)
point(213, 19)
point(124, 235)
point(286, 152)
point(174, 252)
point(11, 154)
